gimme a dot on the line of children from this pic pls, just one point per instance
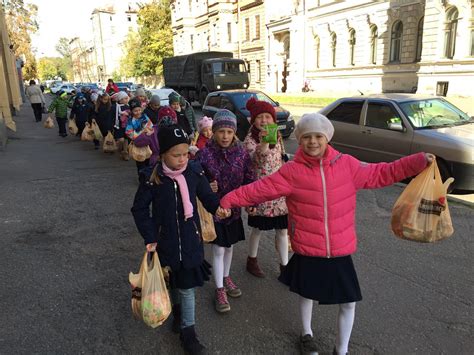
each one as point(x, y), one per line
point(173, 227)
point(104, 116)
point(320, 187)
point(81, 111)
point(228, 166)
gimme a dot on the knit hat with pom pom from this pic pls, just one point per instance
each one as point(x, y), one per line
point(205, 122)
point(257, 107)
point(166, 111)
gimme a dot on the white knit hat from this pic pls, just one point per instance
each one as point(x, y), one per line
point(314, 123)
point(119, 96)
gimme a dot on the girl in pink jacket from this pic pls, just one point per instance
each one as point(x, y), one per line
point(320, 187)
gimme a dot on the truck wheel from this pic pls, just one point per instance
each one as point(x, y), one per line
point(202, 97)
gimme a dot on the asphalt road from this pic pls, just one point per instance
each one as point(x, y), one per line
point(68, 242)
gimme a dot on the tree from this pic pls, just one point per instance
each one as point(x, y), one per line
point(154, 42)
point(53, 67)
point(21, 24)
point(65, 65)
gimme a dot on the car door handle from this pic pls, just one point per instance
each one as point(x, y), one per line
point(367, 131)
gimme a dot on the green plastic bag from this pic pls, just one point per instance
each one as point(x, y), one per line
point(272, 136)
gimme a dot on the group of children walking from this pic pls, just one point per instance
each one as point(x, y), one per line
point(311, 198)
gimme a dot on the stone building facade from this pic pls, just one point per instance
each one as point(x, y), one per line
point(338, 47)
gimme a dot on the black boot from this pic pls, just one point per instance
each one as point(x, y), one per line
point(176, 318)
point(191, 344)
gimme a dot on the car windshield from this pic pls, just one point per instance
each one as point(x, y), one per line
point(242, 98)
point(433, 113)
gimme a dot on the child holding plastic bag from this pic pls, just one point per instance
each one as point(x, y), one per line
point(173, 227)
point(320, 187)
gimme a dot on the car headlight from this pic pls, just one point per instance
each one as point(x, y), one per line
point(245, 86)
point(218, 87)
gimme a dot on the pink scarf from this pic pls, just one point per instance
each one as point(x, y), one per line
point(183, 188)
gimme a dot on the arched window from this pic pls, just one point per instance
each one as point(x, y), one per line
point(374, 34)
point(419, 40)
point(450, 32)
point(317, 49)
point(352, 43)
point(396, 41)
point(333, 49)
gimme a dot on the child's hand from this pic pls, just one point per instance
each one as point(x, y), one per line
point(430, 158)
point(223, 213)
point(151, 247)
point(214, 186)
point(251, 210)
point(148, 131)
point(262, 133)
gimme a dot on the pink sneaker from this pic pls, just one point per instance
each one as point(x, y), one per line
point(231, 288)
point(222, 305)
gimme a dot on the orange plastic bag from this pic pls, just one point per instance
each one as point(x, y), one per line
point(109, 145)
point(150, 298)
point(72, 127)
point(139, 153)
point(207, 223)
point(97, 133)
point(421, 212)
point(49, 123)
point(87, 133)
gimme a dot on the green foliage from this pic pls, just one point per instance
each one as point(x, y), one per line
point(145, 51)
point(63, 47)
point(54, 67)
point(21, 23)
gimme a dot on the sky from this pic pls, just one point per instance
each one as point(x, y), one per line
point(61, 19)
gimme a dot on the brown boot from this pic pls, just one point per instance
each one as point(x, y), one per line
point(253, 268)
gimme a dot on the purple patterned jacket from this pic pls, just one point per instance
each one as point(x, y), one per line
point(231, 167)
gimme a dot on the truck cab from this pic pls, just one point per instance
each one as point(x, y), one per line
point(223, 74)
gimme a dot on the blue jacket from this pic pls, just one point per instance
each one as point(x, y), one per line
point(178, 240)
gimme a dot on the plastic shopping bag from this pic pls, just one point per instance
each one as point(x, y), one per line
point(207, 223)
point(150, 298)
point(49, 123)
point(97, 133)
point(139, 153)
point(87, 133)
point(72, 127)
point(421, 212)
point(109, 145)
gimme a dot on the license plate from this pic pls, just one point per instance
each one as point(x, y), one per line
point(281, 127)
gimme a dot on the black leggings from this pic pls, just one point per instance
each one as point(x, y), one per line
point(38, 111)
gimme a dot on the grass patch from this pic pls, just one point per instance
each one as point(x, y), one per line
point(288, 99)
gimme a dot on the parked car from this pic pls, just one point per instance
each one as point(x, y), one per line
point(386, 127)
point(67, 88)
point(54, 88)
point(92, 86)
point(126, 86)
point(235, 100)
point(163, 94)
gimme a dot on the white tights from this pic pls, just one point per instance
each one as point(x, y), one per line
point(281, 243)
point(221, 261)
point(345, 321)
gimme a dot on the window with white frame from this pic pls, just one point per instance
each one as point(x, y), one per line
point(352, 43)
point(450, 32)
point(419, 40)
point(317, 44)
point(374, 34)
point(247, 29)
point(333, 39)
point(257, 27)
point(396, 41)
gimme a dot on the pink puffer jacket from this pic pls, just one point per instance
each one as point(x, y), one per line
point(321, 197)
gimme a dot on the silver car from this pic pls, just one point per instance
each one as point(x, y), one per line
point(386, 127)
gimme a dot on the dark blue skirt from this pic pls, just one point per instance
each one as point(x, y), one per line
point(326, 280)
point(189, 278)
point(268, 223)
point(229, 234)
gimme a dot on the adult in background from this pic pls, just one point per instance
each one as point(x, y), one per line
point(35, 95)
point(152, 109)
point(111, 88)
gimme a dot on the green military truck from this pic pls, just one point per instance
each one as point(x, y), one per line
point(195, 75)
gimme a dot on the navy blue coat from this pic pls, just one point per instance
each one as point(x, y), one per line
point(178, 240)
